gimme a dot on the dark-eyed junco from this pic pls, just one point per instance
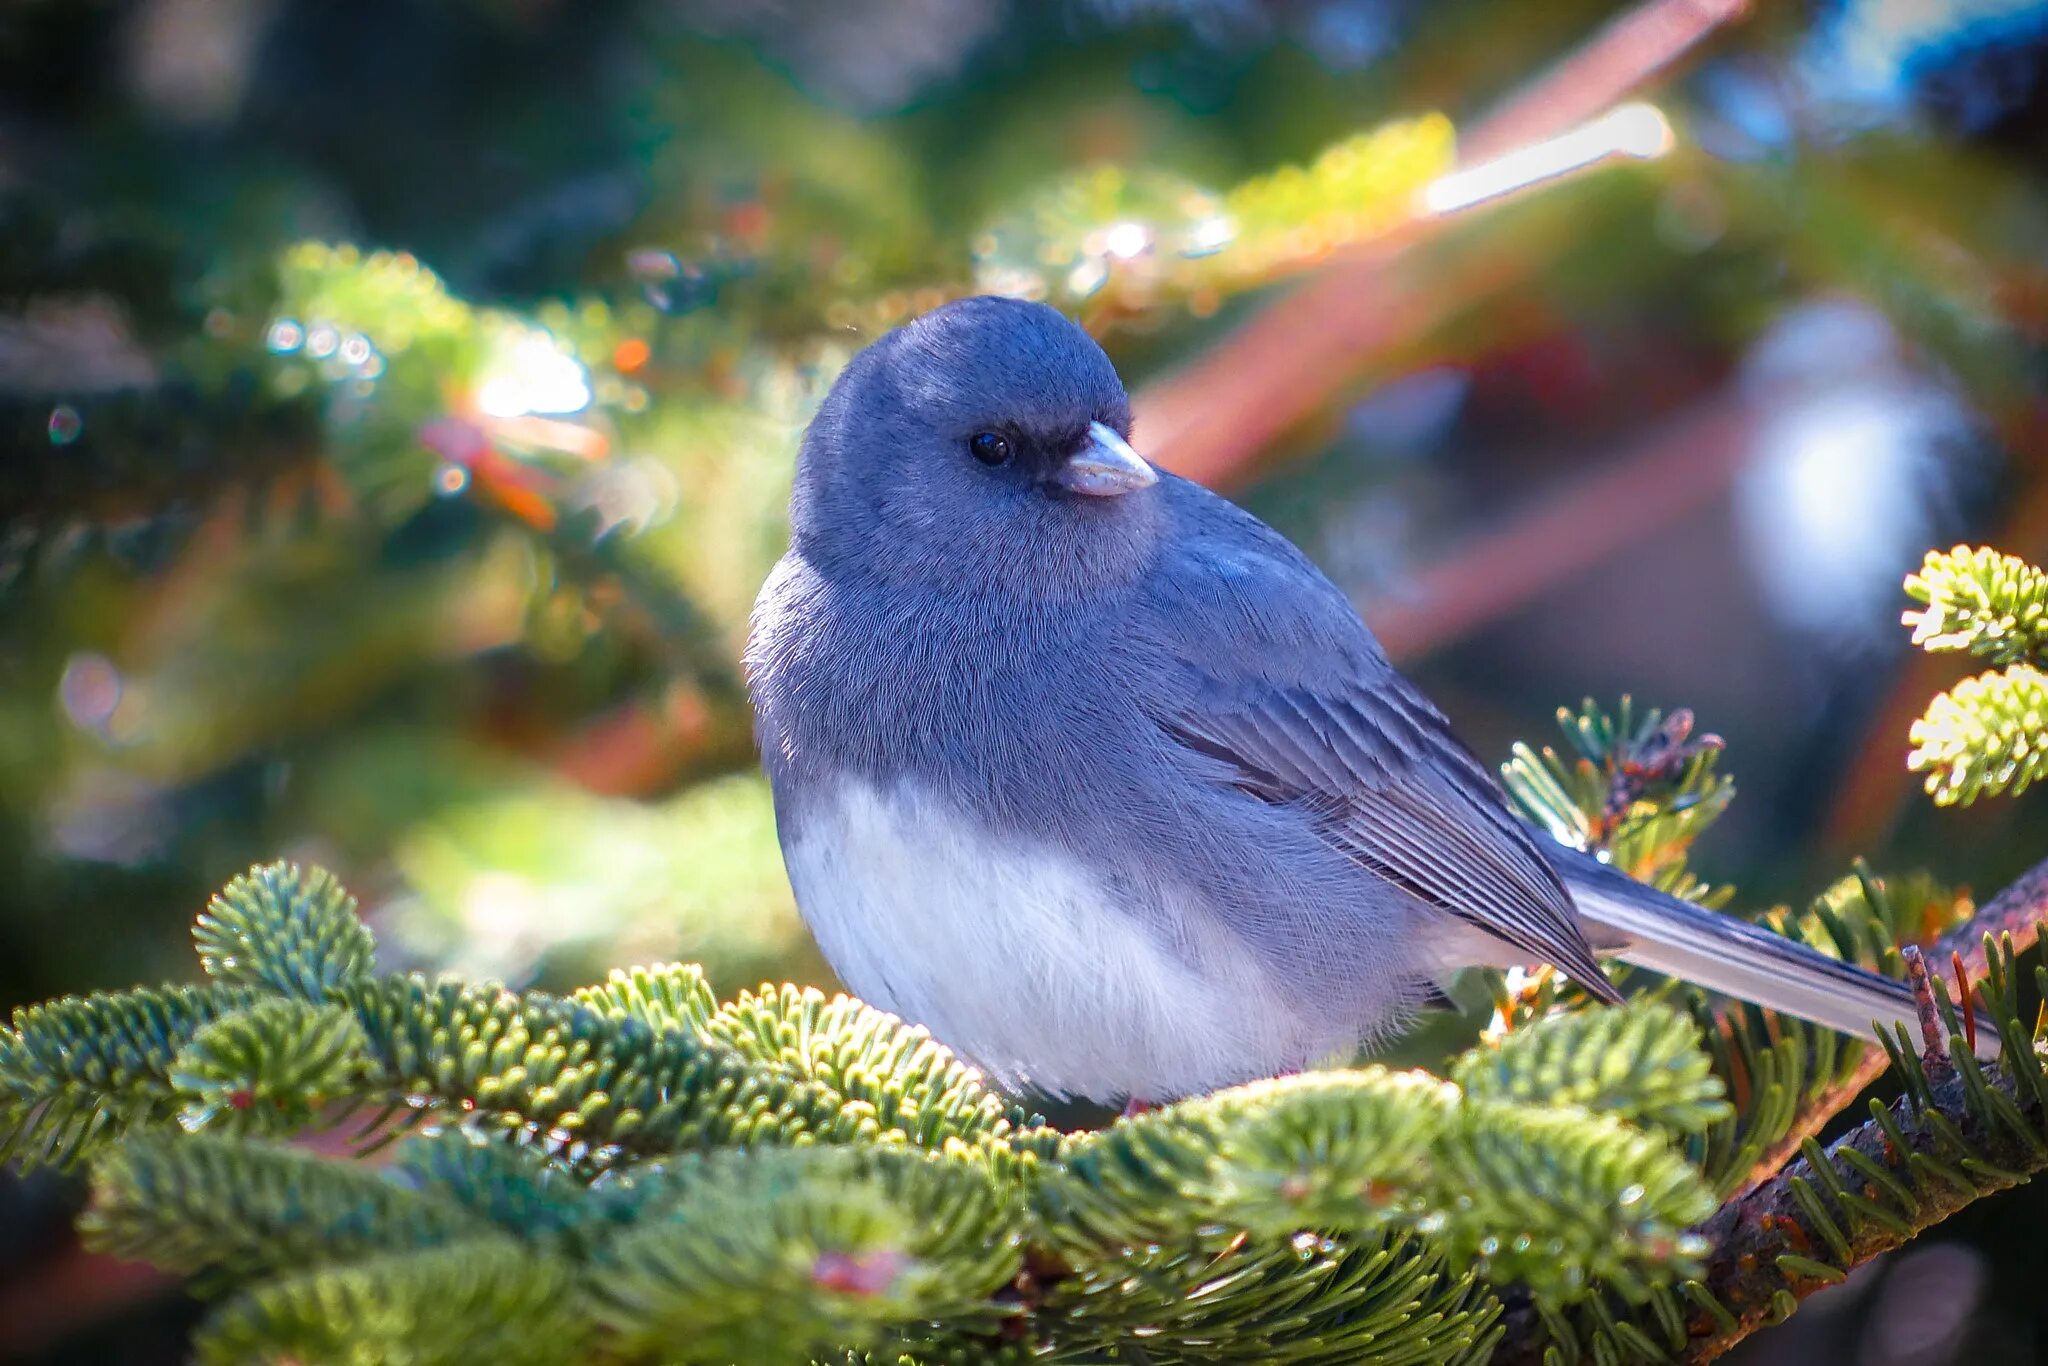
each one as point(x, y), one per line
point(1096, 776)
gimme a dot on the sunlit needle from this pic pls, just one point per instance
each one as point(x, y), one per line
point(1633, 130)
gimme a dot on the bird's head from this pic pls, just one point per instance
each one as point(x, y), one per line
point(981, 446)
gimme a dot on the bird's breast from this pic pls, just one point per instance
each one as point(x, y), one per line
point(1042, 969)
point(863, 677)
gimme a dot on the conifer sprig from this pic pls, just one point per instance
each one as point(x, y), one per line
point(784, 1176)
point(1642, 1065)
point(79, 1071)
point(1977, 599)
point(1984, 736)
point(1989, 734)
point(637, 1172)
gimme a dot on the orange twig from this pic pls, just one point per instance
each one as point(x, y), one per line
point(1631, 49)
point(2017, 911)
point(1966, 1000)
point(1631, 498)
point(1210, 420)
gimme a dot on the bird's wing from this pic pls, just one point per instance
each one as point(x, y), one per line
point(1316, 717)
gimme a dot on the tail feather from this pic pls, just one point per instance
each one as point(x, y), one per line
point(1725, 953)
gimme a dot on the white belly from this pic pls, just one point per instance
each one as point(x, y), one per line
point(1017, 958)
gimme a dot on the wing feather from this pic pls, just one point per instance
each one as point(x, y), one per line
point(1390, 785)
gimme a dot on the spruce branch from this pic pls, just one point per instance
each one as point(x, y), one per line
point(1961, 1130)
point(1641, 1063)
point(1785, 1078)
point(1313, 1300)
point(589, 1073)
point(1549, 1194)
point(2015, 914)
point(514, 1187)
point(1990, 604)
point(1977, 599)
point(1988, 734)
point(694, 1163)
point(1322, 1150)
point(1641, 787)
point(913, 1084)
point(778, 1256)
point(665, 996)
point(270, 1068)
point(79, 1071)
point(475, 1301)
point(790, 1177)
point(1790, 1076)
point(555, 1070)
point(1984, 736)
point(285, 929)
point(1566, 1202)
point(203, 1202)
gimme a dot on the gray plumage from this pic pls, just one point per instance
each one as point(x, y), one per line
point(1112, 788)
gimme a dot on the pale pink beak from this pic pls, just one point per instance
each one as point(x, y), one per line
point(1105, 467)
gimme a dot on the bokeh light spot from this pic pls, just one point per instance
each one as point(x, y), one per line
point(66, 426)
point(89, 690)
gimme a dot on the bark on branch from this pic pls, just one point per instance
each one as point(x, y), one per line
point(1912, 1165)
point(2016, 911)
point(1774, 1220)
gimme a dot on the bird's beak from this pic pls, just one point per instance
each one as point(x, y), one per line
point(1105, 467)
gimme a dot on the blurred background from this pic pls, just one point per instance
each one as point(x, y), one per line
point(399, 401)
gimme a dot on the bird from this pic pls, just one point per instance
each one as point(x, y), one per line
point(1099, 779)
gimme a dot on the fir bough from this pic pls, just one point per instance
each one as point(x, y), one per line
point(1980, 600)
point(1985, 735)
point(639, 1172)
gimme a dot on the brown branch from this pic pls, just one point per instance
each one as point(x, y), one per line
point(2017, 911)
point(1210, 420)
point(1633, 496)
point(1631, 49)
point(1752, 1231)
point(1214, 417)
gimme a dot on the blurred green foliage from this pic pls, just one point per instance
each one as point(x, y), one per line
point(637, 1172)
point(400, 409)
point(415, 526)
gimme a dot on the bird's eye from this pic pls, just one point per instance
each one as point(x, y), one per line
point(990, 448)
